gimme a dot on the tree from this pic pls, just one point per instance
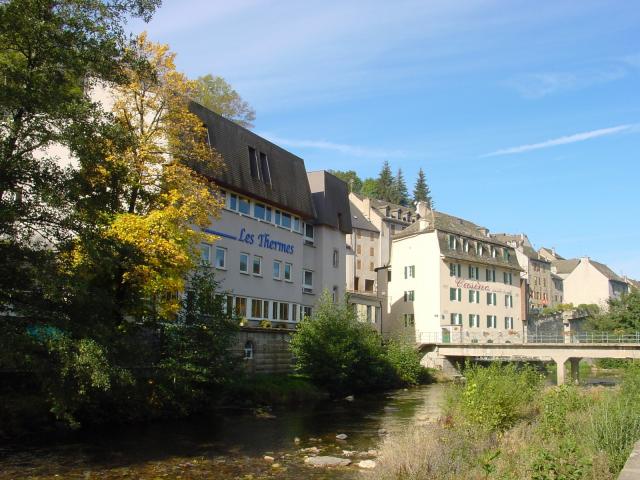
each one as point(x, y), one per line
point(369, 188)
point(338, 352)
point(622, 316)
point(385, 188)
point(158, 203)
point(217, 95)
point(421, 192)
point(351, 178)
point(401, 196)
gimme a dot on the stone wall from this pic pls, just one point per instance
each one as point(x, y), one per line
point(269, 353)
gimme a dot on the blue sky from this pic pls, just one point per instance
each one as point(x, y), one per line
point(524, 115)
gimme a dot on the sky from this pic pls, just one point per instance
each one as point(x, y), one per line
point(525, 116)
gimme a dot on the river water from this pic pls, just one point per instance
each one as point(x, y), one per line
point(231, 445)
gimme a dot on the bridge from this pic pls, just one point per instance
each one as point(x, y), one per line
point(556, 348)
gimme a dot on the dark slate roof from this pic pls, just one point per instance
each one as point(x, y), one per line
point(606, 271)
point(359, 221)
point(331, 200)
point(564, 267)
point(446, 224)
point(289, 187)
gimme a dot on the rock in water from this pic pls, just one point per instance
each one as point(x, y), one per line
point(341, 436)
point(327, 461)
point(350, 398)
point(367, 464)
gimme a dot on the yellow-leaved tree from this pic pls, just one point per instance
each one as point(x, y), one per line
point(160, 203)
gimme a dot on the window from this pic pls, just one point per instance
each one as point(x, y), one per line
point(490, 275)
point(294, 312)
point(265, 308)
point(368, 285)
point(409, 295)
point(221, 258)
point(244, 263)
point(474, 320)
point(455, 294)
point(248, 350)
point(257, 265)
point(371, 267)
point(508, 278)
point(244, 206)
point(371, 251)
point(369, 313)
point(256, 308)
point(358, 249)
point(274, 310)
point(284, 311)
point(233, 202)
point(455, 270)
point(241, 306)
point(491, 321)
point(277, 267)
point(410, 271)
point(336, 258)
point(474, 296)
point(479, 249)
point(465, 245)
point(307, 279)
point(287, 272)
point(456, 319)
point(508, 323)
point(378, 314)
point(267, 214)
point(409, 319)
point(264, 168)
point(474, 273)
point(286, 220)
point(306, 311)
point(297, 225)
point(453, 242)
point(278, 217)
point(508, 301)
point(491, 298)
point(358, 264)
point(308, 233)
point(229, 306)
point(506, 255)
point(494, 252)
point(259, 211)
point(253, 163)
point(205, 253)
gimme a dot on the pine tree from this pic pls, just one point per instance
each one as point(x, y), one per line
point(421, 192)
point(400, 191)
point(385, 188)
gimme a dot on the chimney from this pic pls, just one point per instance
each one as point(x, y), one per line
point(553, 251)
point(484, 231)
point(422, 209)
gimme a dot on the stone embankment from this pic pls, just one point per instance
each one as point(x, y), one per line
point(631, 470)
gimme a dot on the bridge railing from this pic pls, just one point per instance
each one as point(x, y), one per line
point(581, 337)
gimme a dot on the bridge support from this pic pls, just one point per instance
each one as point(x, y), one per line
point(561, 371)
point(575, 370)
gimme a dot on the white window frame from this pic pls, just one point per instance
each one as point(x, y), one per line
point(253, 264)
point(508, 323)
point(279, 276)
point(307, 287)
point(206, 261)
point(245, 272)
point(224, 258)
point(288, 267)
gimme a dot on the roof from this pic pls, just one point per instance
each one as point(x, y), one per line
point(607, 272)
point(289, 186)
point(331, 200)
point(551, 252)
point(359, 221)
point(564, 267)
point(445, 224)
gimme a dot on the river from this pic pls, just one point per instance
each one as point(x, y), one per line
point(230, 445)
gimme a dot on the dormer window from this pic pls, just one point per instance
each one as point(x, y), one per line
point(253, 163)
point(264, 168)
point(452, 242)
point(259, 166)
point(465, 245)
point(494, 252)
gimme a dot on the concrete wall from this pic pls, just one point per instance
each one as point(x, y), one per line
point(271, 352)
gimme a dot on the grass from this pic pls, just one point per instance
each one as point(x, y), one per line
point(563, 432)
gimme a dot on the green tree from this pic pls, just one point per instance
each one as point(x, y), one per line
point(623, 314)
point(369, 188)
point(351, 178)
point(386, 188)
point(217, 95)
point(338, 352)
point(421, 191)
point(401, 195)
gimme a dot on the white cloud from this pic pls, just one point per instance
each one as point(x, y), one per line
point(354, 150)
point(577, 137)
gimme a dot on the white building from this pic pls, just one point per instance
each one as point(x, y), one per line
point(281, 234)
point(452, 282)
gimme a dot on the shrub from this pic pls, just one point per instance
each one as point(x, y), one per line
point(495, 397)
point(404, 358)
point(556, 404)
point(338, 352)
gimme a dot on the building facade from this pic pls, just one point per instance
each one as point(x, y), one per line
point(281, 234)
point(451, 281)
point(586, 281)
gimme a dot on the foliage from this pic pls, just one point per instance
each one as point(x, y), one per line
point(351, 178)
point(272, 389)
point(338, 352)
point(400, 193)
point(386, 188)
point(497, 396)
point(556, 405)
point(564, 462)
point(421, 191)
point(561, 307)
point(404, 358)
point(623, 314)
point(369, 188)
point(217, 95)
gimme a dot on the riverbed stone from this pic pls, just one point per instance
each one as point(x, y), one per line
point(341, 436)
point(327, 461)
point(349, 398)
point(269, 458)
point(310, 450)
point(349, 453)
point(367, 464)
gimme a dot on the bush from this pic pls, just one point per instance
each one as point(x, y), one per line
point(339, 353)
point(272, 389)
point(556, 404)
point(495, 397)
point(404, 358)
